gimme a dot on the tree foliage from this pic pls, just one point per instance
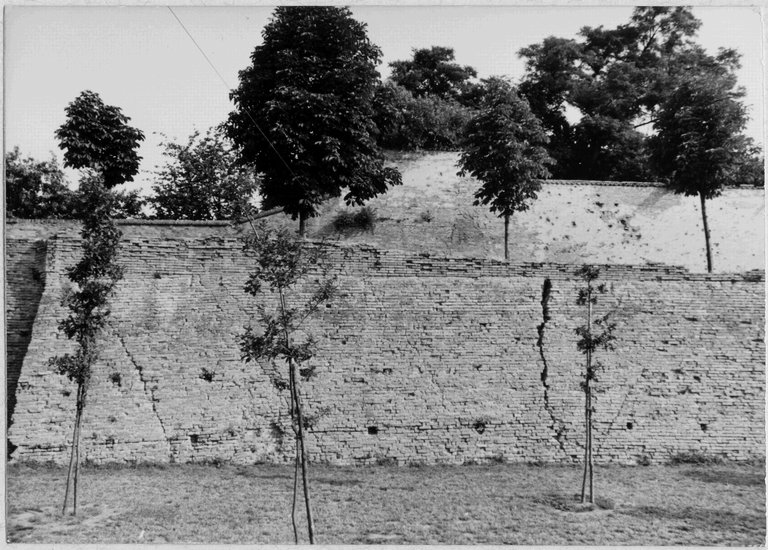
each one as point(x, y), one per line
point(202, 180)
point(35, 189)
point(97, 136)
point(617, 80)
point(595, 334)
point(433, 72)
point(95, 277)
point(408, 123)
point(303, 113)
point(38, 189)
point(504, 148)
point(280, 264)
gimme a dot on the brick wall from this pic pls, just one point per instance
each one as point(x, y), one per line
point(421, 359)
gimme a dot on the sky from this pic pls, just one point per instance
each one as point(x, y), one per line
point(141, 59)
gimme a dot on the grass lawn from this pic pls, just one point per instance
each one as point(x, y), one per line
point(720, 504)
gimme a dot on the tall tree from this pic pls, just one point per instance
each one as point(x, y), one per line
point(97, 139)
point(203, 181)
point(504, 148)
point(595, 334)
point(699, 147)
point(433, 71)
point(281, 263)
point(95, 275)
point(303, 113)
point(97, 136)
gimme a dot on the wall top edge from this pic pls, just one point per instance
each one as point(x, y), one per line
point(420, 262)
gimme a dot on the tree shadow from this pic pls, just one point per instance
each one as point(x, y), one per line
point(698, 518)
point(728, 477)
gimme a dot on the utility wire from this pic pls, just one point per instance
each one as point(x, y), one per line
point(247, 112)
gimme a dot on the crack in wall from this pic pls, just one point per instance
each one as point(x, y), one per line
point(147, 391)
point(557, 426)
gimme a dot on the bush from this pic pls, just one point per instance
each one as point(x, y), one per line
point(362, 220)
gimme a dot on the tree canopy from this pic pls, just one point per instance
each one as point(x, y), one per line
point(35, 189)
point(97, 136)
point(433, 71)
point(617, 80)
point(303, 113)
point(39, 189)
point(202, 180)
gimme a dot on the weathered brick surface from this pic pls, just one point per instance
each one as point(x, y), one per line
point(421, 359)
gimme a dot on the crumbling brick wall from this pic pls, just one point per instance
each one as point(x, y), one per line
point(421, 359)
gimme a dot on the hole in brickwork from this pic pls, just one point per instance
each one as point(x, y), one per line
point(158, 275)
point(112, 419)
point(116, 379)
point(630, 425)
point(194, 439)
point(373, 430)
point(479, 426)
point(66, 393)
point(703, 427)
point(697, 378)
point(207, 375)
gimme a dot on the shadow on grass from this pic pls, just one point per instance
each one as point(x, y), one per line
point(572, 503)
point(698, 518)
point(727, 477)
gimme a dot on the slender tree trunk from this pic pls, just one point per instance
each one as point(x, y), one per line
point(291, 384)
point(506, 237)
point(302, 224)
point(74, 457)
point(586, 445)
point(295, 493)
point(706, 231)
point(71, 466)
point(304, 477)
point(591, 463)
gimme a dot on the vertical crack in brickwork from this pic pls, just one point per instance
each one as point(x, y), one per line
point(557, 426)
point(147, 391)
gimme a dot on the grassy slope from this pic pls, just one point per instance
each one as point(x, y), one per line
point(432, 212)
point(485, 504)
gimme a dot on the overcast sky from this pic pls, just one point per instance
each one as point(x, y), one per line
point(141, 60)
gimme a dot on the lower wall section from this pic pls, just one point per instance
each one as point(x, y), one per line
point(421, 360)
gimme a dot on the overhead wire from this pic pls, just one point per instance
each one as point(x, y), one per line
point(228, 87)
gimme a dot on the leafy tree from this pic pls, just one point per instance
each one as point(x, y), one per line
point(303, 113)
point(95, 275)
point(38, 189)
point(699, 146)
point(203, 181)
point(98, 136)
point(408, 123)
point(35, 189)
point(504, 148)
point(432, 71)
point(589, 342)
point(280, 264)
point(617, 79)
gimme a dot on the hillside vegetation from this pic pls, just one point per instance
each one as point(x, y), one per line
point(432, 213)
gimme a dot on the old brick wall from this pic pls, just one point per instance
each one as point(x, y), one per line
point(422, 359)
point(25, 280)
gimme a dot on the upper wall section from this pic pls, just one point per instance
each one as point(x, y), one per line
point(570, 222)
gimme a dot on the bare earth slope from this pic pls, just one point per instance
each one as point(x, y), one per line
point(432, 212)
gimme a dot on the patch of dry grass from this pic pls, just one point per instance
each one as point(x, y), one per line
point(720, 504)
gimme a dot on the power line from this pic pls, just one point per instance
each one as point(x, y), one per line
point(228, 87)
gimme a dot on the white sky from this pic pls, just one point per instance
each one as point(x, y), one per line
point(141, 60)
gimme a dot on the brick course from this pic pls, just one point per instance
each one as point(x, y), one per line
point(421, 359)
